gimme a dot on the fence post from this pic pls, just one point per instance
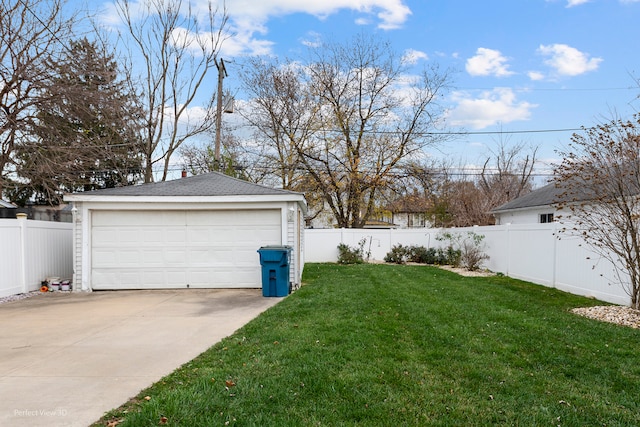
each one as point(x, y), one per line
point(555, 254)
point(22, 223)
point(508, 232)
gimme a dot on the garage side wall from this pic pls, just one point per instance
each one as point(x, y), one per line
point(77, 245)
point(295, 230)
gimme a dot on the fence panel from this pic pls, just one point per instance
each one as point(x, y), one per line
point(31, 251)
point(11, 270)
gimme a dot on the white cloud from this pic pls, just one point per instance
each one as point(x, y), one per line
point(412, 56)
point(496, 106)
point(571, 3)
point(535, 75)
point(568, 61)
point(313, 39)
point(390, 14)
point(248, 18)
point(488, 62)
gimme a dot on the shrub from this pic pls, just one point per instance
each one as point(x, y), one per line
point(398, 255)
point(420, 254)
point(467, 251)
point(472, 252)
point(350, 255)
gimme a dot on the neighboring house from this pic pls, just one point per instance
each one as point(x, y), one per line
point(60, 213)
point(409, 212)
point(7, 209)
point(534, 207)
point(196, 232)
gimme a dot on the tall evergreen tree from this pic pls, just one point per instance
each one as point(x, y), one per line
point(87, 132)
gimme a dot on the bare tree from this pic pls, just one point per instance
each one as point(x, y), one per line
point(199, 158)
point(507, 172)
point(172, 49)
point(352, 115)
point(466, 204)
point(32, 33)
point(600, 181)
point(283, 114)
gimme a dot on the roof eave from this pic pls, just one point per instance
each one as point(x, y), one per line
point(523, 208)
point(290, 197)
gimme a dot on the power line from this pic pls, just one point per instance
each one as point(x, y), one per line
point(597, 89)
point(45, 26)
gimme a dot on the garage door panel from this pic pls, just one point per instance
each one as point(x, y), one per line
point(138, 218)
point(130, 257)
point(199, 257)
point(260, 234)
point(175, 257)
point(152, 235)
point(204, 249)
point(199, 235)
point(151, 258)
point(104, 258)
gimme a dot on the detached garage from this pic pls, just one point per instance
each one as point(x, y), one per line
point(197, 232)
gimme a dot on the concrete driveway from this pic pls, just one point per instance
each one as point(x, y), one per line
point(67, 358)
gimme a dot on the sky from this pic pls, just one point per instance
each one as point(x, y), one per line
point(524, 71)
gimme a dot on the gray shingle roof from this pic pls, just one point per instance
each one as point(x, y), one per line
point(544, 196)
point(551, 194)
point(209, 184)
point(5, 204)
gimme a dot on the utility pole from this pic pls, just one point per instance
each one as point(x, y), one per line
point(222, 73)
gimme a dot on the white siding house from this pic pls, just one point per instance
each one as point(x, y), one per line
point(535, 207)
point(196, 232)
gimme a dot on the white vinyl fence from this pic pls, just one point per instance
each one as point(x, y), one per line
point(530, 252)
point(31, 251)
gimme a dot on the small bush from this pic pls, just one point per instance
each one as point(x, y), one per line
point(398, 255)
point(472, 255)
point(349, 255)
point(421, 255)
point(466, 251)
point(453, 256)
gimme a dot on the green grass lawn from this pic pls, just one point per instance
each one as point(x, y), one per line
point(391, 345)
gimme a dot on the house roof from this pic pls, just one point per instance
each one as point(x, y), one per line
point(5, 204)
point(543, 196)
point(551, 194)
point(209, 184)
point(412, 203)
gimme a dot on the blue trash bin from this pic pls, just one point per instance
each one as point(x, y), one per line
point(275, 270)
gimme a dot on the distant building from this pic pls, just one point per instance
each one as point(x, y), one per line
point(409, 212)
point(7, 209)
point(537, 206)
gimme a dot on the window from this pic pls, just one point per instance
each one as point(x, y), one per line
point(544, 218)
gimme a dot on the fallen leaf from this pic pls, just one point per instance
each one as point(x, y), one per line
point(229, 383)
point(113, 423)
point(147, 398)
point(164, 420)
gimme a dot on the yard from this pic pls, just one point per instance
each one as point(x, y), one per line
point(406, 345)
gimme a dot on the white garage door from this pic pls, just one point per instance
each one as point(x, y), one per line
point(180, 249)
